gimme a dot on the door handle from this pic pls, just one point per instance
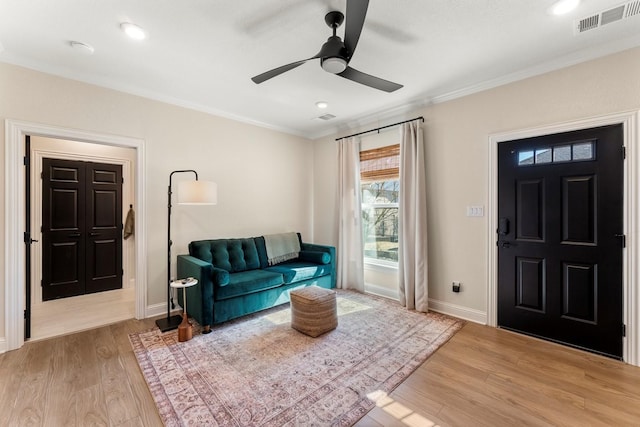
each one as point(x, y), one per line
point(503, 226)
point(94, 234)
point(504, 244)
point(75, 234)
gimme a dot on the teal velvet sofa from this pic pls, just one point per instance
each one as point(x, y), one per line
point(235, 279)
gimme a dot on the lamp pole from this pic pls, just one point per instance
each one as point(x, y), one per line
point(171, 322)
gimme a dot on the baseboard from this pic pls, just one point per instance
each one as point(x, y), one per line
point(459, 311)
point(382, 291)
point(156, 310)
point(160, 310)
point(3, 345)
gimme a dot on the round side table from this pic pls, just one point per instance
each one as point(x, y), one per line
point(185, 330)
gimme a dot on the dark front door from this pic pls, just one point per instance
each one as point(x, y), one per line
point(560, 238)
point(81, 228)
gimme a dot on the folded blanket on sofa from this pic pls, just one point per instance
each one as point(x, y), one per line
point(281, 247)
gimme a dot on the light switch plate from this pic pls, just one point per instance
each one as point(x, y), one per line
point(475, 210)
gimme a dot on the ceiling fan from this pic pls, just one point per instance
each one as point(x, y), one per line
point(335, 54)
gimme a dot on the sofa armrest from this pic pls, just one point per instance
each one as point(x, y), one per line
point(331, 250)
point(200, 296)
point(317, 257)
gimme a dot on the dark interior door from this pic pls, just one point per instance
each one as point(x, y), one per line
point(560, 238)
point(103, 227)
point(81, 228)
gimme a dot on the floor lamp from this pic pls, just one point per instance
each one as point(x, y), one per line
point(189, 193)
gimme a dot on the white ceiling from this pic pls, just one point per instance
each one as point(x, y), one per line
point(202, 53)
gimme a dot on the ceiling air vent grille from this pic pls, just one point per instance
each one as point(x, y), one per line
point(633, 8)
point(589, 23)
point(327, 117)
point(612, 15)
point(626, 10)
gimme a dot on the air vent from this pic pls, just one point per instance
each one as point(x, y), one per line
point(589, 23)
point(612, 15)
point(608, 16)
point(633, 8)
point(327, 117)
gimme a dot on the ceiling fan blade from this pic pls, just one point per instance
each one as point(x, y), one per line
point(356, 12)
point(277, 71)
point(369, 80)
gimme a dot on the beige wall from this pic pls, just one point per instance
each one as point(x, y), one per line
point(456, 137)
point(264, 177)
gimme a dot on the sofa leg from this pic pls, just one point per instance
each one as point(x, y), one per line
point(206, 329)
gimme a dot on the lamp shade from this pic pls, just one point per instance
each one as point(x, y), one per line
point(197, 193)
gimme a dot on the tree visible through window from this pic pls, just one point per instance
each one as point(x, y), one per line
point(380, 187)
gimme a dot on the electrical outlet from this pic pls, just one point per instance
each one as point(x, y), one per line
point(456, 286)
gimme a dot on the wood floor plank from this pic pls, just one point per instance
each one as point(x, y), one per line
point(12, 373)
point(142, 396)
point(367, 421)
point(31, 396)
point(91, 408)
point(83, 368)
point(60, 409)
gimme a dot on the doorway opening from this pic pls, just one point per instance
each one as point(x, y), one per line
point(15, 280)
point(97, 177)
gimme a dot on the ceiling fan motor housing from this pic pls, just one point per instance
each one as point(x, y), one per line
point(333, 55)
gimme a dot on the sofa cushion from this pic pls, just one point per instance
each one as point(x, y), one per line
point(247, 282)
point(232, 255)
point(262, 251)
point(295, 271)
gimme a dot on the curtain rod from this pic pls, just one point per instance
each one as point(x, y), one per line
point(380, 128)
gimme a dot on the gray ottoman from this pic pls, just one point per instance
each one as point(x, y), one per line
point(313, 310)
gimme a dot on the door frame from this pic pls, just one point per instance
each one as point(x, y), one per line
point(14, 277)
point(631, 221)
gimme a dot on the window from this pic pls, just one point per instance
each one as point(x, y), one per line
point(380, 185)
point(576, 152)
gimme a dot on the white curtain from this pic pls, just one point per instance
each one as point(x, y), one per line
point(412, 219)
point(350, 268)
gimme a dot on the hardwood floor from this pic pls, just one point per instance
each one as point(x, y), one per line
point(482, 376)
point(87, 378)
point(490, 377)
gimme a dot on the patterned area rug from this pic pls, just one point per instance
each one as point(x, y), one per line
point(257, 371)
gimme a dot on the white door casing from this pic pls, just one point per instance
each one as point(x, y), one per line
point(14, 277)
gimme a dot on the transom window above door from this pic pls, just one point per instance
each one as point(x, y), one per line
point(575, 152)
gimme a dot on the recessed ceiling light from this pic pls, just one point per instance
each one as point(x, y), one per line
point(322, 104)
point(133, 31)
point(562, 7)
point(82, 47)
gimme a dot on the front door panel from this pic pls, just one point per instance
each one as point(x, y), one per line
point(560, 265)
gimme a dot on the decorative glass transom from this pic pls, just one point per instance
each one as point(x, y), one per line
point(575, 152)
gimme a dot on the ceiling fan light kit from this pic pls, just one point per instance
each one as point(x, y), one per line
point(335, 54)
point(334, 65)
